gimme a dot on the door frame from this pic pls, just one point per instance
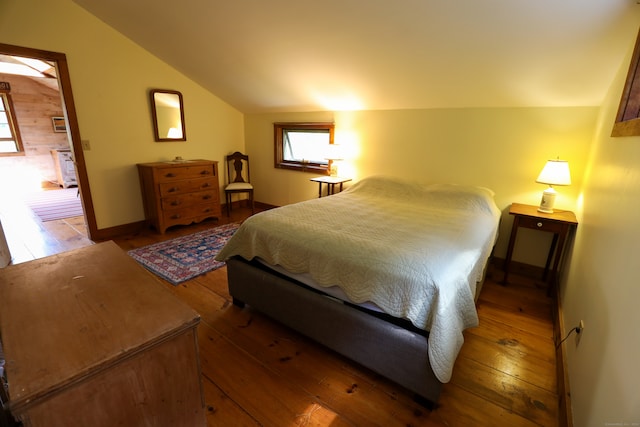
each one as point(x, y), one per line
point(64, 82)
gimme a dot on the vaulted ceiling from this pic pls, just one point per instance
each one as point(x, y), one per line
point(303, 55)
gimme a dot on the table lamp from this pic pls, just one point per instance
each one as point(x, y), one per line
point(334, 154)
point(555, 172)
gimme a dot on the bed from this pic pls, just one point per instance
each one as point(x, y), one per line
point(385, 273)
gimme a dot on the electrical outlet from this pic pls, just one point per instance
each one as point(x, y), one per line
point(86, 145)
point(580, 327)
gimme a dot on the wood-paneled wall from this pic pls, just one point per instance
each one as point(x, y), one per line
point(35, 102)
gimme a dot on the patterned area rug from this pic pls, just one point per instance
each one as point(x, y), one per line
point(185, 257)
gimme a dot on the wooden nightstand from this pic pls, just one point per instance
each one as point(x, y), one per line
point(331, 182)
point(559, 223)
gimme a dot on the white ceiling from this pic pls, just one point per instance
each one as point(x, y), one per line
point(303, 55)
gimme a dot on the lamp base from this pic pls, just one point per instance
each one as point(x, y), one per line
point(548, 200)
point(543, 210)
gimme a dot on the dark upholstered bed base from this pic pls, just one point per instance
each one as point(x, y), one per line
point(390, 350)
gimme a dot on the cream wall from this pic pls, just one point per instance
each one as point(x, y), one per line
point(503, 149)
point(111, 77)
point(603, 284)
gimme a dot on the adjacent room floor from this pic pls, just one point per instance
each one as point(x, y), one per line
point(28, 237)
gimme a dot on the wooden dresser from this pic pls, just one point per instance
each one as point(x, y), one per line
point(92, 339)
point(179, 192)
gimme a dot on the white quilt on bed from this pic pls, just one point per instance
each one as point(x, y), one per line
point(415, 251)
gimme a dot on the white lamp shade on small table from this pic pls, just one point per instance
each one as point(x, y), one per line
point(334, 154)
point(555, 172)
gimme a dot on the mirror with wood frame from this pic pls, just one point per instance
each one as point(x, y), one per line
point(168, 115)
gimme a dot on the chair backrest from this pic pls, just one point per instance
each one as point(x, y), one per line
point(238, 163)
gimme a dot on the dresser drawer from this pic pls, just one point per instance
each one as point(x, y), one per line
point(186, 186)
point(189, 199)
point(184, 172)
point(190, 214)
point(541, 224)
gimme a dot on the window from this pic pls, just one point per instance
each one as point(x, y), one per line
point(10, 142)
point(303, 146)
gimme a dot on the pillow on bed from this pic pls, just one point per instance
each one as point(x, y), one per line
point(459, 188)
point(387, 187)
point(468, 197)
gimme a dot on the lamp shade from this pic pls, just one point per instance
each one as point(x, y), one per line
point(334, 152)
point(555, 172)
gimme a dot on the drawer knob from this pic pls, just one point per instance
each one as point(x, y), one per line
point(176, 216)
point(539, 224)
point(205, 185)
point(207, 197)
point(173, 189)
point(175, 203)
point(170, 175)
point(204, 172)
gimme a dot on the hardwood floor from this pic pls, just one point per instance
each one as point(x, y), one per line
point(257, 372)
point(29, 238)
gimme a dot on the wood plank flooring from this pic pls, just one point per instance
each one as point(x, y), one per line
point(258, 372)
point(29, 238)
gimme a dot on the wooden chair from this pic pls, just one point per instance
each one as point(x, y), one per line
point(238, 164)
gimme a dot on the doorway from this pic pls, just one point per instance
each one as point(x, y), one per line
point(69, 122)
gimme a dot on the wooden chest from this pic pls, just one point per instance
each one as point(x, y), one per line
point(179, 192)
point(92, 339)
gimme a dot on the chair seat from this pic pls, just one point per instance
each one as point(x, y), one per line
point(234, 186)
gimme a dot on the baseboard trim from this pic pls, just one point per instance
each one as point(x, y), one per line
point(103, 234)
point(565, 415)
point(245, 203)
point(520, 268)
point(124, 229)
point(264, 206)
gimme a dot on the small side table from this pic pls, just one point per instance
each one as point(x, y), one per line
point(331, 182)
point(560, 222)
